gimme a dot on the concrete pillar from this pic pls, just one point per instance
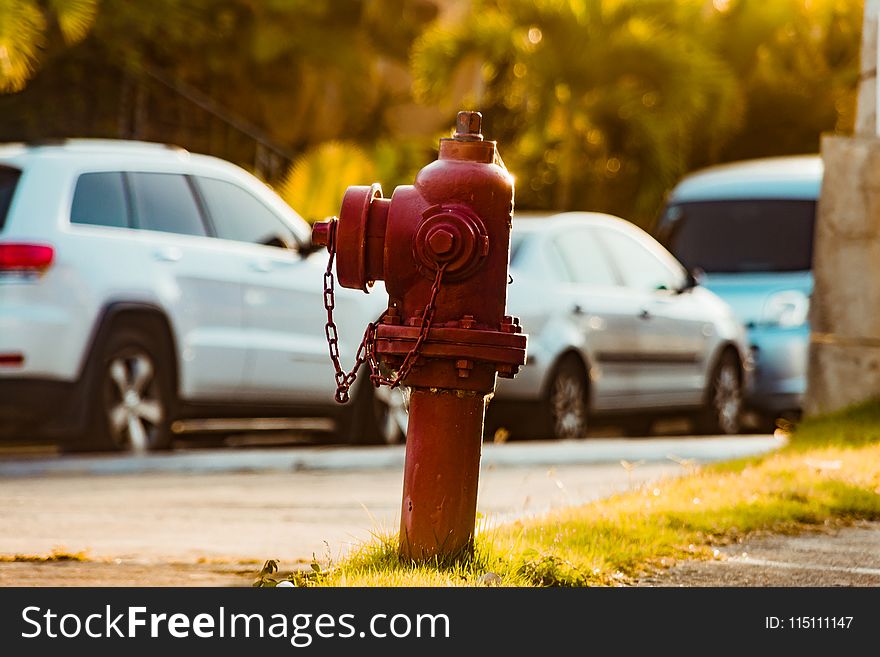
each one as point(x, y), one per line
point(844, 362)
point(866, 108)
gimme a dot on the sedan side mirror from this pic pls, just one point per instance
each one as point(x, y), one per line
point(692, 279)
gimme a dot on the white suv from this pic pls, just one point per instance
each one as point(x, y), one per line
point(147, 291)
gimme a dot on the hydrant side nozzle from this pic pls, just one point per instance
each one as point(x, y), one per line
point(321, 231)
point(356, 266)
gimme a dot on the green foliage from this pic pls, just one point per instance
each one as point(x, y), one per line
point(317, 181)
point(27, 27)
point(597, 104)
point(598, 96)
point(797, 67)
point(604, 104)
point(543, 569)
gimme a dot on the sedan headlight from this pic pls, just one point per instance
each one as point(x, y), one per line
point(786, 309)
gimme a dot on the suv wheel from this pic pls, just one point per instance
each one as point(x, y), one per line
point(131, 396)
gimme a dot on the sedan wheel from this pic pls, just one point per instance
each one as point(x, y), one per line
point(374, 416)
point(724, 404)
point(567, 402)
point(391, 407)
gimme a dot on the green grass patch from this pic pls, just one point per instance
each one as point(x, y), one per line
point(828, 474)
point(852, 427)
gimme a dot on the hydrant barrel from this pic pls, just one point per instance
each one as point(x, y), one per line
point(443, 444)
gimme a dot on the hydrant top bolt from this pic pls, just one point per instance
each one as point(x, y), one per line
point(468, 126)
point(441, 241)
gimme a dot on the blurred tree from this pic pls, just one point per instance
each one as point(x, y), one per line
point(29, 27)
point(594, 99)
point(318, 179)
point(598, 104)
point(305, 71)
point(212, 75)
point(797, 63)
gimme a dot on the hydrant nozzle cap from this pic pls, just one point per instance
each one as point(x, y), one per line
point(321, 233)
point(468, 125)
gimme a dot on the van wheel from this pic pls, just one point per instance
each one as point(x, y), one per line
point(131, 396)
point(722, 413)
point(566, 407)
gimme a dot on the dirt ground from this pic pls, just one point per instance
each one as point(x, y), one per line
point(125, 573)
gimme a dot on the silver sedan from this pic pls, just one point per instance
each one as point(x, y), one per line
point(619, 332)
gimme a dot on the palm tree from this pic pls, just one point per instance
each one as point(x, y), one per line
point(27, 27)
point(596, 97)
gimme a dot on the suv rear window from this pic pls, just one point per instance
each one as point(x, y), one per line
point(741, 236)
point(8, 181)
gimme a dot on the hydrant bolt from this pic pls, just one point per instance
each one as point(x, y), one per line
point(441, 241)
point(468, 125)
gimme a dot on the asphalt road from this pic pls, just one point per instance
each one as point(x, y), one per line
point(236, 506)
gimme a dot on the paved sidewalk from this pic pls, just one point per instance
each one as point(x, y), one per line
point(386, 457)
point(848, 556)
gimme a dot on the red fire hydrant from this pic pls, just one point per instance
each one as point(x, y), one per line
point(442, 247)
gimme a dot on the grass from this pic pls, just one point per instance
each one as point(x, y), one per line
point(828, 474)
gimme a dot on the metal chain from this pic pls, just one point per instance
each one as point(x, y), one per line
point(366, 350)
point(409, 361)
point(344, 380)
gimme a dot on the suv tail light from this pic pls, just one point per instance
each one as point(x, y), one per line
point(27, 258)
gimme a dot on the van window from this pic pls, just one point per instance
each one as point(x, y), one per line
point(741, 236)
point(99, 200)
point(165, 202)
point(8, 181)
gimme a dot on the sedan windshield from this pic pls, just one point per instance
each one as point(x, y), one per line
point(741, 236)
